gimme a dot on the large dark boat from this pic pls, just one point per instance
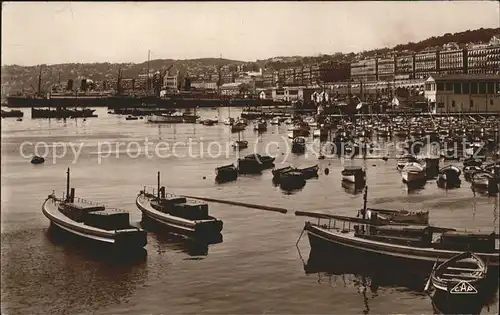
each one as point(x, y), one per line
point(401, 243)
point(12, 113)
point(62, 113)
point(178, 214)
point(92, 221)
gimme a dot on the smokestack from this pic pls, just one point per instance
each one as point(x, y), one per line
point(158, 184)
point(67, 186)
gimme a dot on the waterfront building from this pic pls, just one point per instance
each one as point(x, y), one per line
point(452, 61)
point(463, 93)
point(230, 89)
point(425, 64)
point(404, 67)
point(298, 93)
point(364, 70)
point(385, 69)
point(483, 59)
point(334, 72)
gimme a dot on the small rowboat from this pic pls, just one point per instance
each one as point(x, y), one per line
point(463, 273)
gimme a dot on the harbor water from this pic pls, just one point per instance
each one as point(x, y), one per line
point(256, 269)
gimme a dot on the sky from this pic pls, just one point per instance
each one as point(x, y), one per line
point(79, 32)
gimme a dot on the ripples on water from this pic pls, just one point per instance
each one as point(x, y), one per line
point(256, 269)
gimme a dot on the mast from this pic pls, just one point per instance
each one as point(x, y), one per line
point(40, 81)
point(147, 78)
point(67, 185)
point(158, 192)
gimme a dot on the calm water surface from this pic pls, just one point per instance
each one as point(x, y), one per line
point(256, 269)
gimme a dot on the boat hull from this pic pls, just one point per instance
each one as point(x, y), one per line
point(327, 240)
point(194, 228)
point(121, 239)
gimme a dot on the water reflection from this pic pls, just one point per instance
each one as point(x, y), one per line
point(445, 303)
point(362, 274)
point(66, 278)
point(352, 188)
point(165, 239)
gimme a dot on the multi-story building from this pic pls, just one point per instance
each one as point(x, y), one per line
point(452, 61)
point(463, 93)
point(425, 64)
point(404, 67)
point(306, 75)
point(334, 72)
point(385, 69)
point(483, 59)
point(364, 70)
point(314, 74)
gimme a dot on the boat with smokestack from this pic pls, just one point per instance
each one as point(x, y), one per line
point(177, 213)
point(92, 221)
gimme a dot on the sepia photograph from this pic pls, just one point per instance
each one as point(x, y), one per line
point(267, 157)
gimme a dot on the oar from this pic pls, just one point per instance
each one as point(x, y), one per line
point(428, 283)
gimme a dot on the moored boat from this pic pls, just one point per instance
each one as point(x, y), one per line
point(279, 171)
point(449, 175)
point(92, 221)
point(309, 172)
point(399, 216)
point(254, 163)
point(299, 145)
point(12, 113)
point(413, 172)
point(226, 173)
point(405, 159)
point(463, 271)
point(176, 213)
point(353, 174)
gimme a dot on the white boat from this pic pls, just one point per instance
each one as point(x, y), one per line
point(238, 126)
point(275, 121)
point(229, 121)
point(413, 172)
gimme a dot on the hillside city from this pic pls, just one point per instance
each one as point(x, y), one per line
point(231, 78)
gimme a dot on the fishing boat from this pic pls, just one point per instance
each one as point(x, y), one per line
point(37, 160)
point(309, 172)
point(292, 180)
point(399, 216)
point(240, 144)
point(485, 181)
point(260, 125)
point(209, 122)
point(130, 117)
point(472, 162)
point(321, 133)
point(238, 126)
point(413, 172)
point(12, 113)
point(279, 171)
point(255, 163)
point(469, 171)
point(276, 121)
point(92, 221)
point(405, 159)
point(353, 174)
point(226, 173)
point(298, 130)
point(409, 245)
point(465, 271)
point(176, 213)
point(229, 121)
point(299, 145)
point(449, 175)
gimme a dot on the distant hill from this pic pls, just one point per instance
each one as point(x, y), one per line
point(15, 77)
